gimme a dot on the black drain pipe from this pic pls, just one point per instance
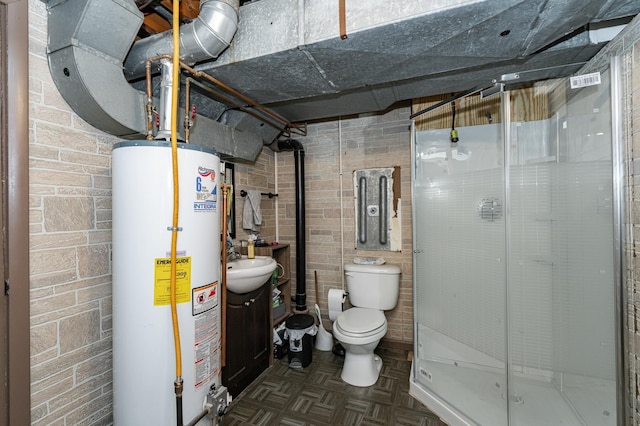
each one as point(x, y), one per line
point(301, 263)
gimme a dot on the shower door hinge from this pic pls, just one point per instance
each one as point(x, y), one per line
point(6, 288)
point(418, 251)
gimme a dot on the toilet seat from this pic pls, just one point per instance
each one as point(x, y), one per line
point(360, 325)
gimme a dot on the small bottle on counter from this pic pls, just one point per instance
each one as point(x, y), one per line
point(251, 253)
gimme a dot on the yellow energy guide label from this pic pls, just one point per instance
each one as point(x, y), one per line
point(162, 280)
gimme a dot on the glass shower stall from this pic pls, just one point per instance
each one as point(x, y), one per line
point(517, 270)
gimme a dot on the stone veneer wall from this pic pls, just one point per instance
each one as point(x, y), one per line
point(368, 141)
point(70, 245)
point(257, 176)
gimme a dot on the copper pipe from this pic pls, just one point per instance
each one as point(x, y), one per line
point(236, 104)
point(157, 58)
point(149, 105)
point(285, 128)
point(223, 278)
point(238, 95)
point(187, 112)
point(343, 19)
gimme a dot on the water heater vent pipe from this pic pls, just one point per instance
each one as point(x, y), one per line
point(301, 262)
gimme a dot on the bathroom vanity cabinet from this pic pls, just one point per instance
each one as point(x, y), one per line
point(282, 254)
point(249, 339)
point(250, 322)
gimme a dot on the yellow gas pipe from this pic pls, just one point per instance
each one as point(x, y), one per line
point(178, 383)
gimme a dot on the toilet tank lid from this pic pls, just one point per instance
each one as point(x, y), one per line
point(372, 269)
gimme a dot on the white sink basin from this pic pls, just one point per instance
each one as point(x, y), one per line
point(245, 275)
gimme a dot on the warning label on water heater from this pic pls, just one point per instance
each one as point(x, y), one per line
point(162, 280)
point(206, 348)
point(204, 298)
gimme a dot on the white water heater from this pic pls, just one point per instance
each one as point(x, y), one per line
point(143, 344)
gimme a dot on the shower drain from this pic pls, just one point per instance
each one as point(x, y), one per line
point(516, 399)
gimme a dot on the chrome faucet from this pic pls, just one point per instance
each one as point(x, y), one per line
point(233, 254)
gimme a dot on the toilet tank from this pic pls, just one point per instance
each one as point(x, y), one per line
point(373, 286)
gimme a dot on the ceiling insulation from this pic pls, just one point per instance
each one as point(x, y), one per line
point(288, 55)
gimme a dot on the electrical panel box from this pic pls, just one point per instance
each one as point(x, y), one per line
point(377, 205)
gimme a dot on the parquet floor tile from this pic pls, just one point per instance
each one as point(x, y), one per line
point(317, 396)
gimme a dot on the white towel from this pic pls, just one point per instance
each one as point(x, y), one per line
point(251, 214)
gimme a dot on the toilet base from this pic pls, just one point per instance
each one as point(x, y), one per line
point(361, 369)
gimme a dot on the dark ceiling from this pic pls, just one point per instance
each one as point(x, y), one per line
point(304, 71)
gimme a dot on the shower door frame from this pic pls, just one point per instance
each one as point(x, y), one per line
point(455, 417)
point(617, 160)
point(505, 110)
point(620, 296)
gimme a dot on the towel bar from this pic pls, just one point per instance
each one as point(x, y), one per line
point(243, 193)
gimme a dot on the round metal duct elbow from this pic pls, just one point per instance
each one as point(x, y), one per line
point(206, 37)
point(210, 33)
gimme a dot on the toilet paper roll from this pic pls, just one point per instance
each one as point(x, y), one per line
point(336, 298)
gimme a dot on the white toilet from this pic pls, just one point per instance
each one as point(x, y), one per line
point(372, 290)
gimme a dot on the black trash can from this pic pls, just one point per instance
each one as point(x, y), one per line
point(300, 329)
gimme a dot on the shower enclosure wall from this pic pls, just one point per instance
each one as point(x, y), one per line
point(516, 271)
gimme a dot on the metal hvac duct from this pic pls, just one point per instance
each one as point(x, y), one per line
point(204, 38)
point(88, 42)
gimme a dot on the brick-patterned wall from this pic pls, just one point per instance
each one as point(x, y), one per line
point(70, 239)
point(633, 268)
point(369, 141)
point(632, 192)
point(257, 176)
point(632, 139)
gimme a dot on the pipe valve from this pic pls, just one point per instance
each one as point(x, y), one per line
point(218, 401)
